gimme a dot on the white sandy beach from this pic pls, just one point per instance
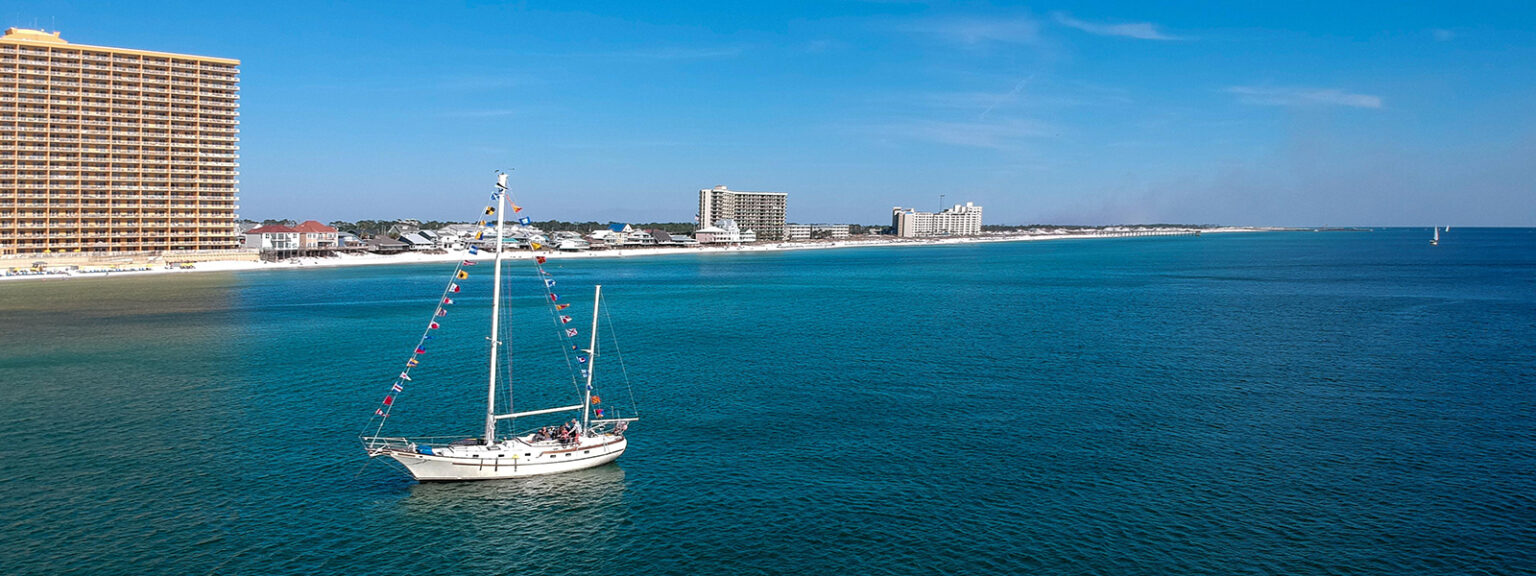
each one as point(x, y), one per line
point(345, 259)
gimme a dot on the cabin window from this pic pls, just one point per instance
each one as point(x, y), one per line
point(587, 452)
point(527, 453)
point(553, 455)
point(501, 455)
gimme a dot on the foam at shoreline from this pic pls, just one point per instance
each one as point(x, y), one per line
point(453, 255)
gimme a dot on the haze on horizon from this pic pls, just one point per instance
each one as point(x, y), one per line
point(1292, 114)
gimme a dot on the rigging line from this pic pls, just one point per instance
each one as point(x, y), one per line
point(512, 203)
point(363, 469)
point(425, 333)
point(565, 349)
point(509, 393)
point(505, 349)
point(623, 368)
point(390, 408)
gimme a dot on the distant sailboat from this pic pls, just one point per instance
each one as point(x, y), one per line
point(1436, 240)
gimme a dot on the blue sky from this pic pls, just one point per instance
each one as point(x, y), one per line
point(1286, 113)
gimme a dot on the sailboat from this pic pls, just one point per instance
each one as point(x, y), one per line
point(1436, 240)
point(583, 442)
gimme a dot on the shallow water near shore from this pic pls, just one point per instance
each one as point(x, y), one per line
point(1276, 403)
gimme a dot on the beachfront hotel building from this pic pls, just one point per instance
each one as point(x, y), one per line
point(760, 212)
point(115, 150)
point(798, 232)
point(960, 220)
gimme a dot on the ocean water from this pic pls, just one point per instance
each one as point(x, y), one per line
point(1273, 403)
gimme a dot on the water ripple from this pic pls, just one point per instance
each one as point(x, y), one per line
point(1259, 404)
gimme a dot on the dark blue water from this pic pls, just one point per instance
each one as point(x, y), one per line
point(1278, 403)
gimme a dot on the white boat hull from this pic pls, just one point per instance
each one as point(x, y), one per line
point(511, 459)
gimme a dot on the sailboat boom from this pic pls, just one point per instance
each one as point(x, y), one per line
point(537, 412)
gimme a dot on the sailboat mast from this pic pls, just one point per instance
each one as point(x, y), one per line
point(586, 402)
point(490, 394)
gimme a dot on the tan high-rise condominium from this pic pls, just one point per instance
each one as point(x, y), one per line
point(115, 150)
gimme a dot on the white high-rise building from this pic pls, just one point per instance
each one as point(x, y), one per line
point(760, 212)
point(960, 220)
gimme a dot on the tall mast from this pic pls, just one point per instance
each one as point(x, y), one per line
point(586, 402)
point(490, 394)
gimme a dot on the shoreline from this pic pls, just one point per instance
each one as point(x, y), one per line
point(347, 260)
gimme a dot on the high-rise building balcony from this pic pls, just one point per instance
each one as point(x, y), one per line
point(90, 137)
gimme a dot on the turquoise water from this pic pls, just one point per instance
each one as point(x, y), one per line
point(1279, 403)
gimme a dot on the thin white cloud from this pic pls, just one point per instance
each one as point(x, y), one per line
point(818, 46)
point(679, 53)
point(1281, 96)
point(485, 82)
point(486, 113)
point(399, 85)
point(1006, 97)
point(1443, 35)
point(663, 53)
point(1139, 30)
point(975, 31)
point(995, 135)
point(1024, 95)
